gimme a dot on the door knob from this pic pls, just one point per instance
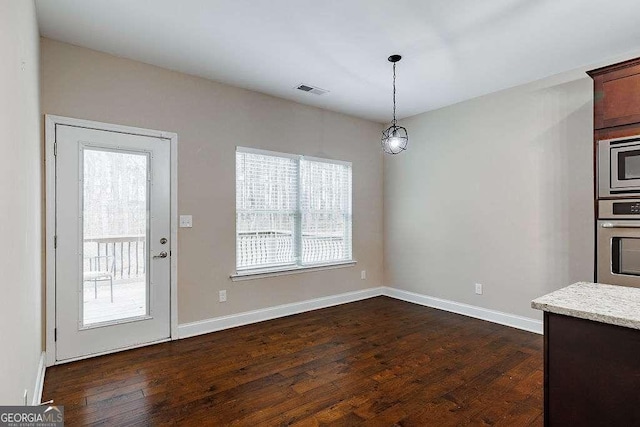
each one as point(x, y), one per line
point(162, 254)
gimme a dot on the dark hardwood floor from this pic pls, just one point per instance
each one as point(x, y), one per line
point(378, 362)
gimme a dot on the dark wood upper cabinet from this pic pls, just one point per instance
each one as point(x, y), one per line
point(616, 94)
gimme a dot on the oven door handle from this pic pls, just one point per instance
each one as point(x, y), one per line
point(613, 225)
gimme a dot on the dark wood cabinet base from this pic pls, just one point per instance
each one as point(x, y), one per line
point(592, 373)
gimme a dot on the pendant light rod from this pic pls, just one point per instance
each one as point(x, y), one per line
point(394, 59)
point(394, 94)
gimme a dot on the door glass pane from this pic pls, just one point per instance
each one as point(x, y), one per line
point(626, 255)
point(629, 165)
point(115, 206)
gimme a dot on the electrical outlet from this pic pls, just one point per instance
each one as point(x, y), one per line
point(479, 288)
point(363, 274)
point(26, 397)
point(222, 296)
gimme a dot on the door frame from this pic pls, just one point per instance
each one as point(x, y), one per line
point(50, 224)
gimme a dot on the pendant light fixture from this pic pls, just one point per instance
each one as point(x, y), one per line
point(394, 138)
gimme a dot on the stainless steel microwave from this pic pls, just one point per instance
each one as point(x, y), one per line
point(619, 167)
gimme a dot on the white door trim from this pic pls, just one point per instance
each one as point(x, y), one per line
point(50, 220)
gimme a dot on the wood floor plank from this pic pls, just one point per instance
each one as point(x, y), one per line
point(375, 362)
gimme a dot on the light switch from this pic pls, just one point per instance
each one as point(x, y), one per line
point(186, 221)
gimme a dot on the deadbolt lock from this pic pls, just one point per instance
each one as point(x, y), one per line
point(163, 241)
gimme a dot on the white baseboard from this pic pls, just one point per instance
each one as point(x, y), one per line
point(225, 322)
point(37, 389)
point(219, 323)
point(515, 321)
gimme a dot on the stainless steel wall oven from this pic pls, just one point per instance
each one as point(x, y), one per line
point(618, 242)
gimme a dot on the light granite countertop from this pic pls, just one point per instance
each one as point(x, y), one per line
point(616, 305)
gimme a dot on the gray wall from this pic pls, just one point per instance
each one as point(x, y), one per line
point(211, 119)
point(496, 190)
point(20, 202)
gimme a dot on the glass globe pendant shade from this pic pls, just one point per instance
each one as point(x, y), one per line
point(394, 139)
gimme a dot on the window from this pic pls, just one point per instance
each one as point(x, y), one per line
point(291, 211)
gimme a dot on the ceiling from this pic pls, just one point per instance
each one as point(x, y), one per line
point(452, 50)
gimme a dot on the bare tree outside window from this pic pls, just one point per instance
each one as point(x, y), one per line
point(115, 194)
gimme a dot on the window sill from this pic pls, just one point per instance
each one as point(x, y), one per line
point(274, 272)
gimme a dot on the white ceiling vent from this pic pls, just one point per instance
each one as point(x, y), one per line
point(311, 89)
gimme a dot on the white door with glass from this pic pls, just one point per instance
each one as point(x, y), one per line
point(113, 248)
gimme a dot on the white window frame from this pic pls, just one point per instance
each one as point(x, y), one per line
point(256, 273)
